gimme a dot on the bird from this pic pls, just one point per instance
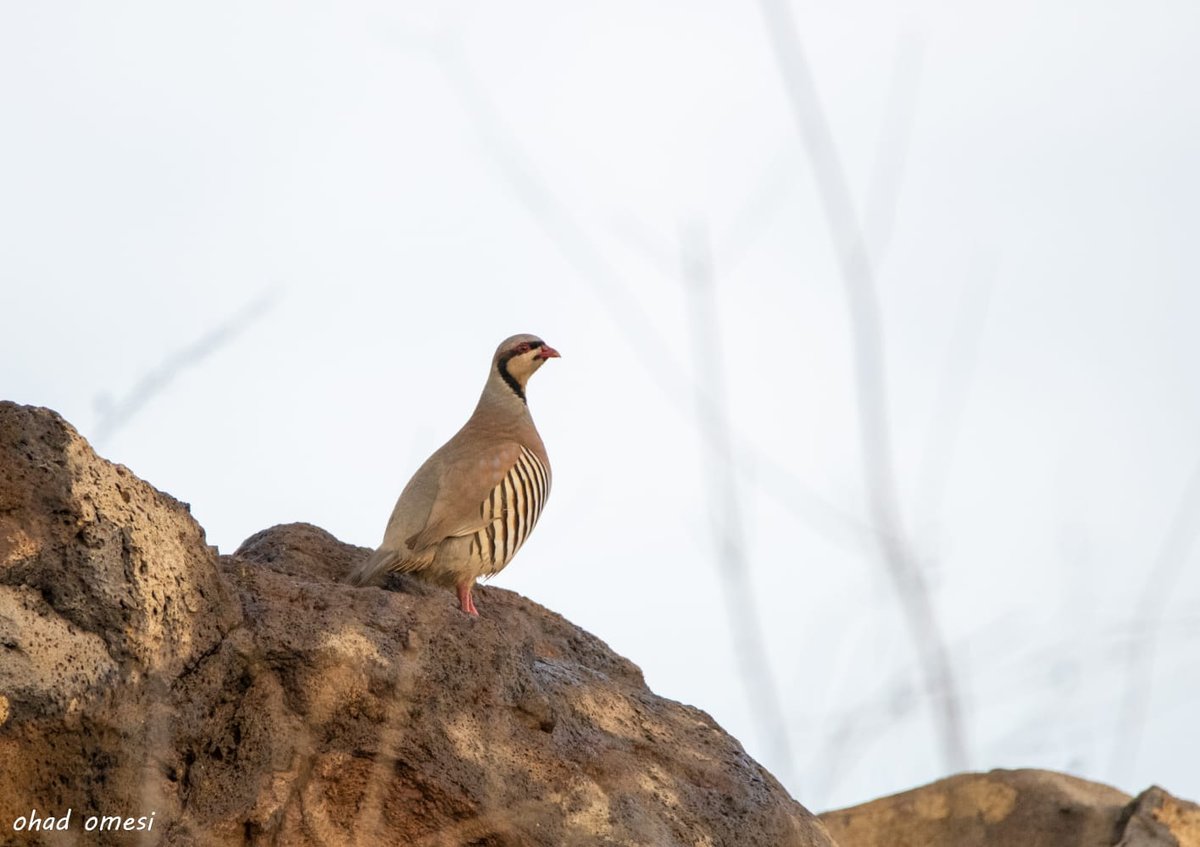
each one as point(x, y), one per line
point(474, 502)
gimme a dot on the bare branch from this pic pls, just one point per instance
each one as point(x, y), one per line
point(756, 213)
point(871, 379)
point(113, 416)
point(712, 418)
point(1177, 548)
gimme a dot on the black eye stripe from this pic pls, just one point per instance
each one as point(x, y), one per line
point(525, 347)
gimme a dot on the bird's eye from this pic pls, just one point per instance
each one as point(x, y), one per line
point(523, 347)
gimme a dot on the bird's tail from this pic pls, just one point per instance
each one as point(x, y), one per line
point(372, 568)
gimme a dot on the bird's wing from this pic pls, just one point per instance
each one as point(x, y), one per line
point(464, 484)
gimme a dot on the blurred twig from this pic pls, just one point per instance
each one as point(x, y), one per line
point(870, 375)
point(113, 416)
point(756, 213)
point(712, 417)
point(1176, 550)
point(857, 728)
point(848, 732)
point(762, 204)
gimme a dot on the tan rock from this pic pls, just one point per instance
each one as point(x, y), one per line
point(255, 699)
point(1156, 818)
point(1021, 808)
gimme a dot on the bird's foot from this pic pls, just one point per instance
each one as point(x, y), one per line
point(464, 600)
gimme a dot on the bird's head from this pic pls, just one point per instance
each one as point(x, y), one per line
point(518, 357)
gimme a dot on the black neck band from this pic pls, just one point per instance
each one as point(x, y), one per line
point(502, 366)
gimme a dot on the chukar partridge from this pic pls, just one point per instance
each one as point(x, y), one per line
point(470, 507)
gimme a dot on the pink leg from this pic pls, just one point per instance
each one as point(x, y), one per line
point(464, 599)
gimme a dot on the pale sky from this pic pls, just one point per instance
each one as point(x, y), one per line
point(376, 197)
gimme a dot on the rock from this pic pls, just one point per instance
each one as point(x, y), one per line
point(119, 562)
point(1156, 818)
point(107, 594)
point(255, 699)
point(1020, 808)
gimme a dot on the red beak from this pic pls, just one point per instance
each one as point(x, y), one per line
point(548, 352)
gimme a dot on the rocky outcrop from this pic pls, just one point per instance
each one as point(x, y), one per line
point(1022, 808)
point(255, 699)
point(186, 698)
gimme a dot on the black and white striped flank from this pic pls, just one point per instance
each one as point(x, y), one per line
point(511, 510)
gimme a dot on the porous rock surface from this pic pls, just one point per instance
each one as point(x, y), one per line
point(255, 699)
point(1018, 808)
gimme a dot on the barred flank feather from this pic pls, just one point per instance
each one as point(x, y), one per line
point(511, 510)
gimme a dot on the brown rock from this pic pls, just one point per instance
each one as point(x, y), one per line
point(1156, 818)
point(254, 699)
point(107, 594)
point(1021, 808)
